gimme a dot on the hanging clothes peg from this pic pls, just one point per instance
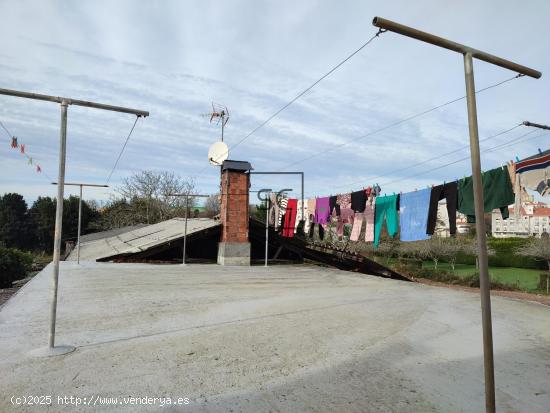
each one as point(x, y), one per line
point(38, 168)
point(14, 142)
point(540, 151)
point(30, 161)
point(22, 147)
point(517, 159)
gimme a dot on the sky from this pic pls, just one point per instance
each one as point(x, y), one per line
point(173, 58)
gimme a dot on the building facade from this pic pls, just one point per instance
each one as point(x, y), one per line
point(533, 219)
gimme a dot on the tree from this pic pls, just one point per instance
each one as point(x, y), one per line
point(470, 247)
point(15, 226)
point(150, 196)
point(538, 248)
point(451, 248)
point(42, 214)
point(212, 205)
point(433, 249)
point(14, 265)
point(388, 248)
point(116, 213)
point(70, 217)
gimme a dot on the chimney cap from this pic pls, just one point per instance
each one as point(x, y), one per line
point(241, 166)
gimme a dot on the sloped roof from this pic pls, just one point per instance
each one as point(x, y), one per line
point(109, 233)
point(541, 212)
point(141, 239)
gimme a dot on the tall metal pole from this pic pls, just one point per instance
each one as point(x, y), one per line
point(187, 195)
point(484, 282)
point(185, 231)
point(303, 206)
point(80, 185)
point(64, 102)
point(79, 226)
point(469, 53)
point(267, 201)
point(58, 228)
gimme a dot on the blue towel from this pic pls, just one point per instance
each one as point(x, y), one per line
point(413, 215)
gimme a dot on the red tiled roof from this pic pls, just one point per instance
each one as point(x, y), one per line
point(541, 212)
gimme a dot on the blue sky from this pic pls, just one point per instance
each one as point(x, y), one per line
point(174, 58)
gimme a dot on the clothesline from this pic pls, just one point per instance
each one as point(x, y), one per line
point(23, 150)
point(414, 214)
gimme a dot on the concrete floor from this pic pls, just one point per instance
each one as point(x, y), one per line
point(286, 338)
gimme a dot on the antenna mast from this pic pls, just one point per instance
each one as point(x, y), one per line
point(221, 114)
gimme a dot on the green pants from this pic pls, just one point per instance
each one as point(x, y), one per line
point(385, 209)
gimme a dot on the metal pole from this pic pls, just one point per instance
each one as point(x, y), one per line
point(454, 46)
point(187, 195)
point(481, 237)
point(81, 185)
point(58, 229)
point(79, 226)
point(64, 102)
point(469, 53)
point(69, 101)
point(303, 206)
point(185, 231)
point(536, 125)
point(267, 227)
point(285, 173)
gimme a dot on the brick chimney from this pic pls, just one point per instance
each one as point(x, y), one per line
point(234, 246)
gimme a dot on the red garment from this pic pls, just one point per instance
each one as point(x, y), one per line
point(290, 218)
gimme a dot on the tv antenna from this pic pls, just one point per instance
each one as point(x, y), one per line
point(220, 115)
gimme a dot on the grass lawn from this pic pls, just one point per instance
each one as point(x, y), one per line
point(528, 279)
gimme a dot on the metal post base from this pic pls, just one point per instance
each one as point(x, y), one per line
point(52, 351)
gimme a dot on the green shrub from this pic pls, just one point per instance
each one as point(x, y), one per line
point(14, 265)
point(505, 255)
point(471, 280)
point(408, 264)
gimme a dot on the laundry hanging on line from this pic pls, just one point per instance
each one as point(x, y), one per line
point(385, 211)
point(497, 193)
point(414, 214)
point(534, 173)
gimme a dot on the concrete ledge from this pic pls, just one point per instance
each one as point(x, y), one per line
point(234, 253)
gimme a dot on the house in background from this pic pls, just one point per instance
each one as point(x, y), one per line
point(533, 220)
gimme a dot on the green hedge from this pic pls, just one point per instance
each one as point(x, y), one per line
point(504, 255)
point(471, 280)
point(14, 265)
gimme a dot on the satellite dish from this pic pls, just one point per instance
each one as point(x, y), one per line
point(218, 153)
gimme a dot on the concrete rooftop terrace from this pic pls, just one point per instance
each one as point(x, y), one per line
point(281, 339)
